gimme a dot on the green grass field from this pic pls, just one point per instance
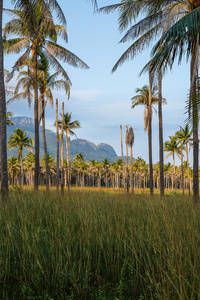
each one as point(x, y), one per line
point(99, 245)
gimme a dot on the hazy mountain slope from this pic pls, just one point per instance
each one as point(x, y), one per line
point(88, 149)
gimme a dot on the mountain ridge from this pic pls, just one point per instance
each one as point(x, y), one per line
point(87, 148)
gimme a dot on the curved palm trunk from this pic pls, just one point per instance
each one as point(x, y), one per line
point(150, 139)
point(3, 132)
point(162, 185)
point(45, 145)
point(36, 178)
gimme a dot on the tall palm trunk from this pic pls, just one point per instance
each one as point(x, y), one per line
point(131, 170)
point(188, 170)
point(22, 179)
point(174, 172)
point(67, 149)
point(162, 185)
point(57, 142)
point(127, 175)
point(36, 178)
point(182, 173)
point(193, 99)
point(62, 152)
point(69, 186)
point(45, 145)
point(150, 137)
point(3, 133)
point(123, 176)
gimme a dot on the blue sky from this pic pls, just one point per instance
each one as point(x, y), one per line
point(101, 100)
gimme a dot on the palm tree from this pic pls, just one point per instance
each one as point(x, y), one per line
point(183, 37)
point(19, 140)
point(130, 143)
point(69, 126)
point(143, 99)
point(38, 34)
point(184, 136)
point(46, 83)
point(173, 148)
point(9, 114)
point(13, 168)
point(158, 16)
point(30, 167)
point(3, 130)
point(51, 166)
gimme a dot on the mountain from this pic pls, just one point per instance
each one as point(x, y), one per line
point(87, 148)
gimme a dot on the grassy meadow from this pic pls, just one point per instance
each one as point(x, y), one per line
point(94, 244)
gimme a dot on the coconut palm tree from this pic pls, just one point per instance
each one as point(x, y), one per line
point(69, 126)
point(158, 17)
point(13, 168)
point(143, 99)
point(46, 82)
point(30, 167)
point(172, 146)
point(184, 136)
point(38, 34)
point(183, 37)
point(19, 140)
point(3, 130)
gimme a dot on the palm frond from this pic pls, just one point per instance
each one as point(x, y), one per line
point(65, 55)
point(142, 26)
point(15, 45)
point(137, 46)
point(62, 32)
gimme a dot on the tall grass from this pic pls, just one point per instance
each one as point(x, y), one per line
point(99, 245)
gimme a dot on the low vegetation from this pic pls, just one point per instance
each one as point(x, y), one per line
point(94, 244)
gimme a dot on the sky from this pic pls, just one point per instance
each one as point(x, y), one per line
point(101, 100)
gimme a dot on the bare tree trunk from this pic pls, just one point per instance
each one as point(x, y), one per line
point(37, 166)
point(62, 152)
point(57, 142)
point(162, 186)
point(45, 146)
point(123, 176)
point(150, 137)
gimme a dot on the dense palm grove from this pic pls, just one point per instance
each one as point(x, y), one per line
point(33, 33)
